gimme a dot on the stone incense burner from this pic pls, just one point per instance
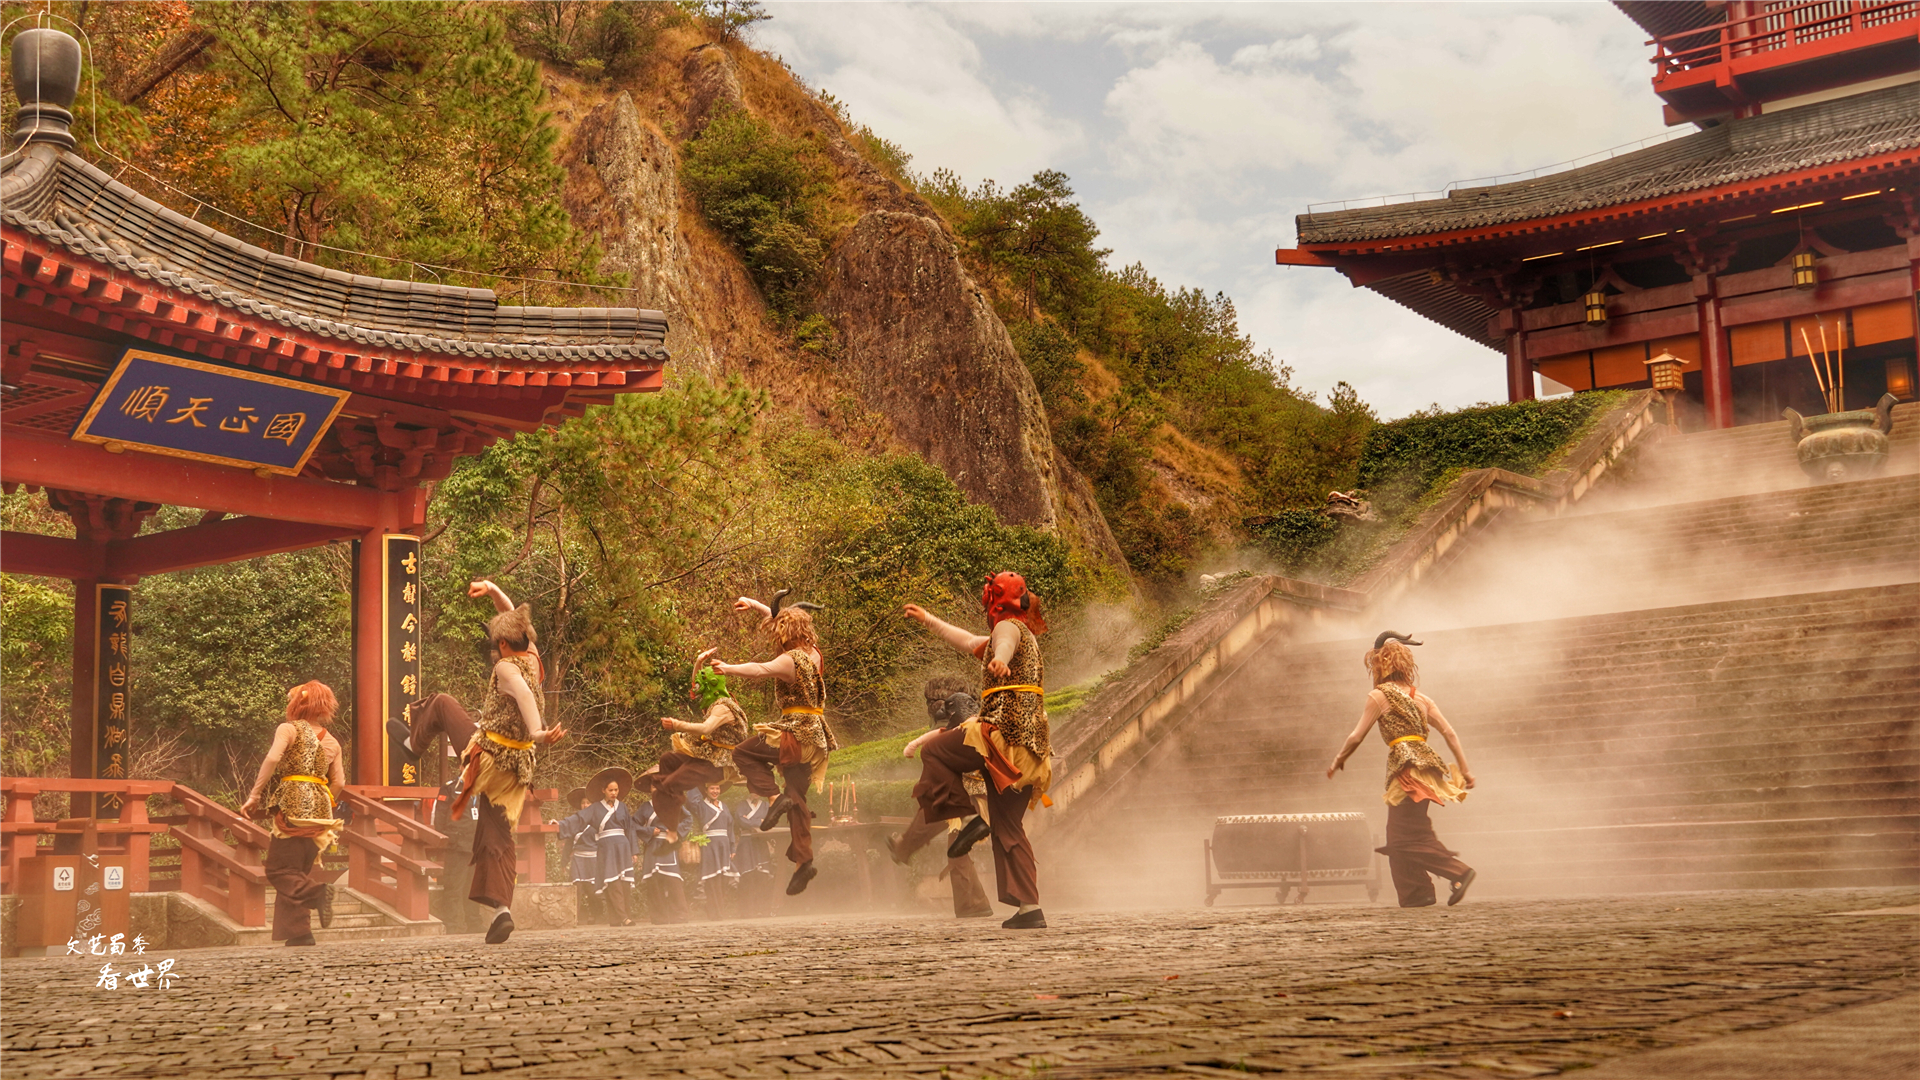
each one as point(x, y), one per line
point(1845, 445)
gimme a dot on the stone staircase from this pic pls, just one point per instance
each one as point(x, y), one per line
point(356, 917)
point(1707, 675)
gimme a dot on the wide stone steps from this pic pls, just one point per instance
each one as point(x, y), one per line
point(356, 918)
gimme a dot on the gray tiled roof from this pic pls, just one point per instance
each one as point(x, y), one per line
point(1832, 131)
point(77, 207)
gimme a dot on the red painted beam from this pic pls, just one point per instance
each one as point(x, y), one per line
point(1830, 296)
point(1297, 257)
point(218, 542)
point(41, 460)
point(50, 556)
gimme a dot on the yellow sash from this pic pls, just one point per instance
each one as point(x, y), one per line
point(1022, 687)
point(514, 744)
point(803, 710)
point(1408, 738)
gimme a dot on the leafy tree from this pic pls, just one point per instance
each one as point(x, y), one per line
point(765, 193)
point(590, 37)
point(728, 20)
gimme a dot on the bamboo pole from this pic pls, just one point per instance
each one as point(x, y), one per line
point(1814, 363)
point(1826, 357)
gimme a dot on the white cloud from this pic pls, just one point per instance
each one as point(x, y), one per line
point(1194, 133)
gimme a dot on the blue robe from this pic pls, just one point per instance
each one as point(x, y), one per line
point(657, 856)
point(716, 821)
point(752, 854)
point(577, 832)
point(612, 829)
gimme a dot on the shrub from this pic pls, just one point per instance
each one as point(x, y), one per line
point(764, 192)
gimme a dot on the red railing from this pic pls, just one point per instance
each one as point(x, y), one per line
point(1758, 29)
point(392, 848)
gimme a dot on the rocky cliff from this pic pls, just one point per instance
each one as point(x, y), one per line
point(917, 344)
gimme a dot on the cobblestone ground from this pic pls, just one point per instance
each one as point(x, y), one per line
point(1500, 988)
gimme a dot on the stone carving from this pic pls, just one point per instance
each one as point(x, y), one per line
point(1845, 445)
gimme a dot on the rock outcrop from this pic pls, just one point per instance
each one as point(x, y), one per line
point(712, 85)
point(628, 194)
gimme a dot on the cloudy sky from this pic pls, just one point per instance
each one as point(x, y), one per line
point(1195, 132)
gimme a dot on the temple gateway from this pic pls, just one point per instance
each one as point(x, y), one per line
point(152, 360)
point(1787, 227)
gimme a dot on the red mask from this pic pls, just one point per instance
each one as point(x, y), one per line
point(1005, 596)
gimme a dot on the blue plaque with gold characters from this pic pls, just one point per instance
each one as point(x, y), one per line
point(230, 416)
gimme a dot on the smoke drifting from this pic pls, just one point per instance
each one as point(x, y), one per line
point(1706, 675)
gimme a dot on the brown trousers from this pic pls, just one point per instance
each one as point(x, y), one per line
point(969, 899)
point(679, 774)
point(1413, 852)
point(495, 861)
point(440, 715)
point(756, 759)
point(944, 759)
point(289, 868)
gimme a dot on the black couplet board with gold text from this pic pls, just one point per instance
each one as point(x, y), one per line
point(399, 650)
point(112, 690)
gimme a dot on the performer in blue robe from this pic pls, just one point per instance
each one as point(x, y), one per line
point(753, 857)
point(612, 826)
point(577, 835)
point(660, 860)
point(718, 875)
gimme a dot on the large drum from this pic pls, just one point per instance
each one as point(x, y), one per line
point(1291, 851)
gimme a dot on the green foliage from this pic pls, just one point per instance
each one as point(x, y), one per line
point(406, 128)
point(1519, 437)
point(593, 38)
point(1294, 537)
point(36, 672)
point(765, 193)
point(727, 20)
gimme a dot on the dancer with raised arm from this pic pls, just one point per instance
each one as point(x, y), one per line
point(800, 741)
point(1008, 742)
point(299, 784)
point(702, 753)
point(499, 756)
point(1416, 777)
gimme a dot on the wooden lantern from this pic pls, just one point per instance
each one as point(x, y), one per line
point(1804, 276)
point(1596, 302)
point(1665, 371)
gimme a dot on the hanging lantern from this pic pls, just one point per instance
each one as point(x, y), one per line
point(1804, 276)
point(1596, 302)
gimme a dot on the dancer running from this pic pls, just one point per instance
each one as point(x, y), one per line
point(499, 756)
point(1415, 774)
point(299, 782)
point(1009, 742)
point(949, 703)
point(800, 741)
point(702, 753)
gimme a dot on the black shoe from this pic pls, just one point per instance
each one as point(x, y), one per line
point(975, 830)
point(781, 804)
point(397, 734)
point(893, 850)
point(303, 939)
point(501, 929)
point(801, 875)
point(1460, 888)
point(324, 908)
point(1030, 920)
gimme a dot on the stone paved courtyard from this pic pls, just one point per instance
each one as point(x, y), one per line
point(1500, 988)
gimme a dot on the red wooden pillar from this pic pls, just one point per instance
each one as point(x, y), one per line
point(84, 738)
point(1716, 360)
point(369, 611)
point(1519, 368)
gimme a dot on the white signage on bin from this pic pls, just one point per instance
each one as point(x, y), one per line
point(116, 877)
point(63, 879)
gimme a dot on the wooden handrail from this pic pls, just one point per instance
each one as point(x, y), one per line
point(408, 827)
point(388, 851)
point(222, 855)
point(1782, 26)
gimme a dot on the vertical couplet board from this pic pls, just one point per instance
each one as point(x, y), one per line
point(112, 691)
point(399, 652)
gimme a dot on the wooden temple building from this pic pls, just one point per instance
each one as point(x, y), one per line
point(152, 360)
point(1789, 222)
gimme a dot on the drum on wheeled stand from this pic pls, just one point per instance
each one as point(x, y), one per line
point(1292, 852)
